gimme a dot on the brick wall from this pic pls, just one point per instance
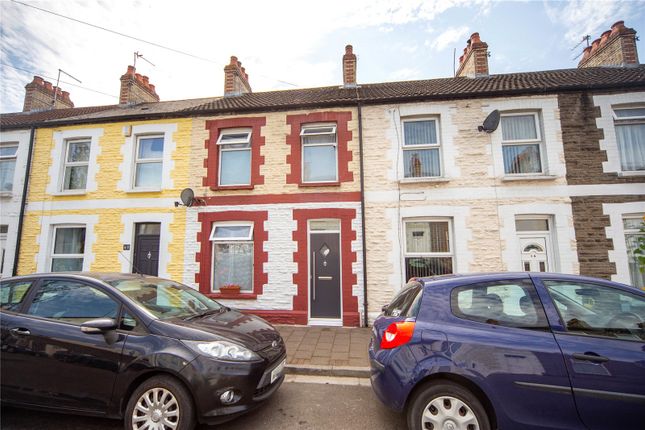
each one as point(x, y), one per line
point(590, 223)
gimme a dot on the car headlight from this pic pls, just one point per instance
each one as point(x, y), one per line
point(224, 350)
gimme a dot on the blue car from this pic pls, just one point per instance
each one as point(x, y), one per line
point(512, 351)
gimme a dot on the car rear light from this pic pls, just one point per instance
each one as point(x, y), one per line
point(397, 334)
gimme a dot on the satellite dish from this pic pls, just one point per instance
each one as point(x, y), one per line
point(490, 123)
point(187, 197)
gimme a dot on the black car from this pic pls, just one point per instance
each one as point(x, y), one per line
point(149, 350)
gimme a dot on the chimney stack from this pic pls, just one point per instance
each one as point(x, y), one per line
point(349, 68)
point(615, 47)
point(40, 95)
point(236, 80)
point(474, 62)
point(136, 88)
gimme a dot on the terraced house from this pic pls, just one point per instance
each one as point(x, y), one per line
point(314, 206)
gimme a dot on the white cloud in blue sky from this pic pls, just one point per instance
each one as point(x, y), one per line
point(287, 41)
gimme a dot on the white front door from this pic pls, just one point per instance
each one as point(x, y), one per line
point(534, 254)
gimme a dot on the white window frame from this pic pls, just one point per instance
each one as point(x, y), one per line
point(137, 161)
point(13, 157)
point(3, 246)
point(223, 148)
point(539, 141)
point(65, 164)
point(630, 120)
point(304, 133)
point(52, 255)
point(631, 232)
point(437, 146)
point(451, 247)
point(239, 239)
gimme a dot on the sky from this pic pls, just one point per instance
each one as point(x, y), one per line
point(283, 44)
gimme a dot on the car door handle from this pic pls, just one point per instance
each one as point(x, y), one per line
point(590, 357)
point(20, 331)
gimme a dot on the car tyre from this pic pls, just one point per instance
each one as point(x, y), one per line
point(442, 404)
point(163, 403)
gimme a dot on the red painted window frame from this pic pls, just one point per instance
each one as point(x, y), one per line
point(205, 256)
point(211, 163)
point(343, 153)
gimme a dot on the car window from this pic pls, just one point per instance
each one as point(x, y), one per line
point(406, 302)
point(72, 302)
point(599, 310)
point(12, 294)
point(511, 304)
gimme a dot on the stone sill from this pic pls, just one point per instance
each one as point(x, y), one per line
point(239, 296)
point(423, 180)
point(6, 194)
point(150, 190)
point(69, 193)
point(628, 174)
point(529, 178)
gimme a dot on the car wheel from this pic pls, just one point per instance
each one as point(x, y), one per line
point(160, 403)
point(445, 406)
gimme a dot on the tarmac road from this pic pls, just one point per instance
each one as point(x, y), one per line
point(300, 405)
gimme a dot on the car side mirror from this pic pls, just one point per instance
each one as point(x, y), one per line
point(384, 308)
point(99, 325)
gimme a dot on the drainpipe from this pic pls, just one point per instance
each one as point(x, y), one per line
point(23, 203)
point(360, 155)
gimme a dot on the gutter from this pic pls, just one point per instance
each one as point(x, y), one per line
point(362, 176)
point(23, 203)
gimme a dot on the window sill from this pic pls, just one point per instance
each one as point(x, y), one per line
point(319, 184)
point(231, 187)
point(142, 190)
point(6, 194)
point(429, 179)
point(69, 193)
point(632, 173)
point(238, 296)
point(529, 178)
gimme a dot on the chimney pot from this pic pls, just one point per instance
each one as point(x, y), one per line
point(604, 37)
point(136, 88)
point(623, 51)
point(349, 67)
point(40, 95)
point(236, 80)
point(130, 70)
point(617, 26)
point(474, 61)
point(349, 49)
point(474, 38)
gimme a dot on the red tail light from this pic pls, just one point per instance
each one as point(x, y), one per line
point(397, 334)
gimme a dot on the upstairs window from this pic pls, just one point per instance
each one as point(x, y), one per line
point(521, 143)
point(232, 256)
point(77, 158)
point(148, 162)
point(630, 135)
point(319, 153)
point(235, 157)
point(7, 166)
point(421, 157)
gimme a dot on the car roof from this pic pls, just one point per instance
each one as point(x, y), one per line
point(465, 278)
point(106, 277)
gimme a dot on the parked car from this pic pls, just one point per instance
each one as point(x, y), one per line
point(512, 351)
point(152, 351)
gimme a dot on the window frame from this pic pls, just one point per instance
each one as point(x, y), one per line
point(14, 158)
point(51, 256)
point(437, 145)
point(303, 145)
point(222, 147)
point(65, 164)
point(451, 248)
point(539, 141)
point(137, 161)
point(622, 121)
point(249, 239)
point(632, 232)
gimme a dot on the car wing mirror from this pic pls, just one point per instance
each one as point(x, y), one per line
point(384, 308)
point(99, 325)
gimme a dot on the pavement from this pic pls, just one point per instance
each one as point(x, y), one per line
point(326, 351)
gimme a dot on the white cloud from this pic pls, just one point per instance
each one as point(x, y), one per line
point(406, 74)
point(449, 37)
point(587, 17)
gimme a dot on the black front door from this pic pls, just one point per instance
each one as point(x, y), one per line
point(146, 248)
point(324, 266)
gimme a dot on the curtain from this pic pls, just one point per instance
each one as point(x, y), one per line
point(235, 167)
point(638, 278)
point(70, 240)
point(522, 159)
point(421, 163)
point(148, 175)
point(631, 145)
point(518, 127)
point(75, 178)
point(233, 265)
point(420, 132)
point(7, 168)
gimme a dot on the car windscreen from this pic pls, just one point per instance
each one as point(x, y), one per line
point(166, 299)
point(406, 302)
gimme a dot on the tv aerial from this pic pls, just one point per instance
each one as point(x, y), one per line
point(490, 123)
